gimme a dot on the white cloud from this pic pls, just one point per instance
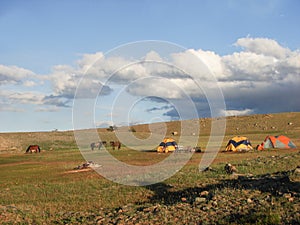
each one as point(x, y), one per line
point(10, 108)
point(263, 46)
point(13, 74)
point(237, 112)
point(89, 60)
point(159, 87)
point(29, 83)
point(250, 66)
point(66, 81)
point(15, 100)
point(213, 62)
point(12, 101)
point(153, 56)
point(47, 109)
point(103, 124)
point(261, 70)
point(23, 97)
point(192, 64)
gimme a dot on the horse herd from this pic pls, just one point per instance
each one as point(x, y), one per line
point(94, 145)
point(100, 144)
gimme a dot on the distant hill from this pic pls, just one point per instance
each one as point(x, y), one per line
point(255, 127)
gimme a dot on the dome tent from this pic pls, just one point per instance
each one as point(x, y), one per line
point(167, 145)
point(280, 141)
point(238, 143)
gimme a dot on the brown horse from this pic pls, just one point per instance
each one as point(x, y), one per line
point(33, 149)
point(115, 144)
point(98, 144)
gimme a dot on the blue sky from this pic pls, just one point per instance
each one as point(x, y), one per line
point(251, 46)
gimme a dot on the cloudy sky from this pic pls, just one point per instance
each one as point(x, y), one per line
point(59, 55)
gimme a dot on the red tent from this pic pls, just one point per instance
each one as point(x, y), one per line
point(276, 142)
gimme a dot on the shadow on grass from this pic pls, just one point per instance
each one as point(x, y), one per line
point(275, 184)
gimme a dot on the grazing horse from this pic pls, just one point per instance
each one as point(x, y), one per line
point(33, 149)
point(98, 144)
point(115, 144)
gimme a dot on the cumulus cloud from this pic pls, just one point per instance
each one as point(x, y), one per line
point(13, 74)
point(25, 97)
point(265, 77)
point(264, 46)
point(29, 83)
point(160, 87)
point(47, 109)
point(162, 108)
point(10, 108)
point(15, 100)
point(67, 81)
point(11, 101)
point(103, 124)
point(254, 79)
point(261, 69)
point(236, 112)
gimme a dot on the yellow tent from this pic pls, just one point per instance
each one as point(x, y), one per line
point(238, 143)
point(167, 145)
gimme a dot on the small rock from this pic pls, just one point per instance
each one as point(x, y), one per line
point(230, 168)
point(287, 195)
point(208, 169)
point(204, 193)
point(214, 198)
point(297, 171)
point(199, 199)
point(183, 199)
point(214, 203)
point(205, 208)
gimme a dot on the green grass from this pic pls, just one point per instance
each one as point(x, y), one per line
point(38, 188)
point(39, 183)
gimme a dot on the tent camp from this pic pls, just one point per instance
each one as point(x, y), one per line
point(167, 145)
point(280, 141)
point(238, 143)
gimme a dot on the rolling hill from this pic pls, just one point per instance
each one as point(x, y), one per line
point(255, 127)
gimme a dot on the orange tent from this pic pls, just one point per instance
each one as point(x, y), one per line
point(276, 142)
point(167, 145)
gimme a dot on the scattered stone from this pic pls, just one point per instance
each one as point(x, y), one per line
point(204, 193)
point(287, 195)
point(297, 171)
point(214, 203)
point(249, 200)
point(205, 208)
point(199, 199)
point(208, 169)
point(230, 169)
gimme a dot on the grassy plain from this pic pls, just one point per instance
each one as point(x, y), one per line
point(44, 189)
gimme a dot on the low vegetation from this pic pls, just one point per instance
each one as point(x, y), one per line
point(44, 188)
